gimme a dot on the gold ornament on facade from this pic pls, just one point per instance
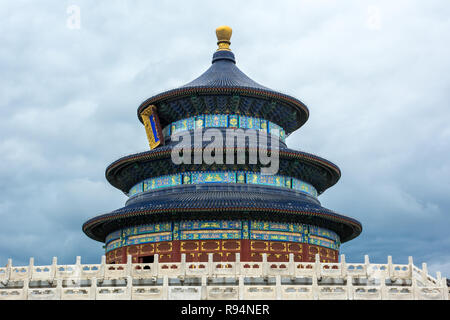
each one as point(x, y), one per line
point(154, 134)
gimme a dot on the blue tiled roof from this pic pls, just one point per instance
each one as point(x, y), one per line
point(222, 201)
point(224, 77)
point(224, 73)
point(127, 171)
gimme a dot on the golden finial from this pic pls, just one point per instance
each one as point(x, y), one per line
point(223, 34)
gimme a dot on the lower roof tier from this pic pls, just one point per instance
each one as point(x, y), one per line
point(222, 201)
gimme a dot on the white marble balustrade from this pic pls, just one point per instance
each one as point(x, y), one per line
point(239, 280)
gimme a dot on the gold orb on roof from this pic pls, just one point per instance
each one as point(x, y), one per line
point(223, 34)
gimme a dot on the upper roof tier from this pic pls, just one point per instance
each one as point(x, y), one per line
point(223, 88)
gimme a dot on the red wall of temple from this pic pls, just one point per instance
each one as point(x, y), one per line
point(223, 250)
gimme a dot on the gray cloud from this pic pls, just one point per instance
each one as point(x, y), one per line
point(376, 87)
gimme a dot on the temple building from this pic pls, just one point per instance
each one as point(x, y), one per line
point(220, 208)
point(197, 208)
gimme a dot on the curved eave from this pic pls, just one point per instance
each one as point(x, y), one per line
point(91, 227)
point(222, 201)
point(164, 152)
point(248, 91)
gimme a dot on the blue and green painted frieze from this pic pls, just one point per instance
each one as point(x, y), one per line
point(224, 121)
point(223, 177)
point(221, 230)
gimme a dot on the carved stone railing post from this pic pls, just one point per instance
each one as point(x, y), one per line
point(425, 273)
point(241, 287)
point(237, 266)
point(30, 268)
point(129, 287)
point(129, 266)
point(264, 265)
point(366, 264)
point(383, 289)
point(183, 265)
point(165, 288)
point(155, 265)
point(278, 286)
point(318, 267)
point(58, 290)
point(77, 271)
point(440, 284)
point(53, 269)
point(8, 270)
point(410, 266)
point(93, 289)
point(203, 292)
point(315, 287)
point(390, 268)
point(291, 265)
point(211, 268)
point(349, 287)
point(103, 268)
point(26, 285)
point(414, 288)
point(343, 266)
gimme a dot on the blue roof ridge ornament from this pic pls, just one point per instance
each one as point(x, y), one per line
point(223, 55)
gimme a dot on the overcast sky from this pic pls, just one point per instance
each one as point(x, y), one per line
point(374, 75)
